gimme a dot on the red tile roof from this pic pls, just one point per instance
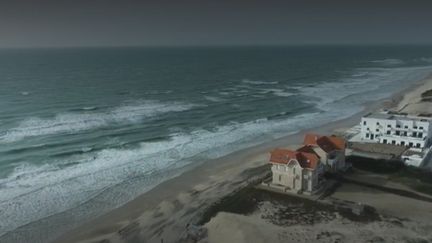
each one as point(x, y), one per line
point(283, 156)
point(308, 149)
point(327, 143)
point(311, 139)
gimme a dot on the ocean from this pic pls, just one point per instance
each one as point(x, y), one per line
point(85, 130)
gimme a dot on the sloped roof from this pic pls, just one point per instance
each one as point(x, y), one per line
point(308, 149)
point(327, 143)
point(284, 156)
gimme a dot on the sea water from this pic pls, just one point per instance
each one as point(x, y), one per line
point(83, 131)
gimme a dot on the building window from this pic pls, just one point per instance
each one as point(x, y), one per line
point(418, 145)
point(364, 123)
point(384, 140)
point(398, 126)
point(388, 132)
point(406, 126)
point(377, 130)
point(367, 135)
point(420, 134)
point(415, 127)
point(393, 142)
point(403, 143)
point(414, 134)
point(397, 133)
point(411, 144)
point(421, 128)
point(377, 123)
point(405, 134)
point(389, 125)
point(280, 178)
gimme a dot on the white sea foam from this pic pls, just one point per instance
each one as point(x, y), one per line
point(79, 121)
point(89, 108)
point(33, 192)
point(257, 82)
point(276, 92)
point(354, 90)
point(425, 59)
point(389, 61)
point(214, 98)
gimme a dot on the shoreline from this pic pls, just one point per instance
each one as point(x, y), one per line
point(163, 211)
point(199, 181)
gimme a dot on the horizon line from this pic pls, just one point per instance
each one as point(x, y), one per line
point(211, 45)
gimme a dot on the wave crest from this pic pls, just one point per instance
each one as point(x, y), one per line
point(79, 121)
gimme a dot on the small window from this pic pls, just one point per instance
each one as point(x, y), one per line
point(411, 144)
point(403, 143)
point(367, 135)
point(389, 125)
point(421, 128)
point(364, 123)
point(414, 134)
point(405, 134)
point(420, 134)
point(406, 126)
point(415, 127)
point(388, 132)
point(280, 177)
point(397, 133)
point(418, 145)
point(384, 140)
point(377, 130)
point(398, 126)
point(393, 142)
point(377, 123)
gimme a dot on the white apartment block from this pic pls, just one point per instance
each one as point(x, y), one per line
point(397, 129)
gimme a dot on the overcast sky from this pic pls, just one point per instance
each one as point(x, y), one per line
point(54, 23)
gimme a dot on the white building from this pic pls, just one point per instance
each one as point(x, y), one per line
point(397, 129)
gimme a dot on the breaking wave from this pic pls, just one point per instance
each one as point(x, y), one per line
point(389, 61)
point(75, 122)
point(256, 82)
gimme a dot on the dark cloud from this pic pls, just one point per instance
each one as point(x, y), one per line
point(222, 22)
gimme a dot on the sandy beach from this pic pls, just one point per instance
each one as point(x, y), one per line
point(161, 214)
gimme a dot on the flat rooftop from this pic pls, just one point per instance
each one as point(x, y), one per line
point(379, 115)
point(394, 116)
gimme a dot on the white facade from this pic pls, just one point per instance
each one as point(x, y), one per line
point(394, 129)
point(295, 178)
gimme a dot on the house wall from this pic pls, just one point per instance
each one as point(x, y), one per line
point(295, 177)
point(332, 161)
point(336, 160)
point(398, 131)
point(288, 176)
